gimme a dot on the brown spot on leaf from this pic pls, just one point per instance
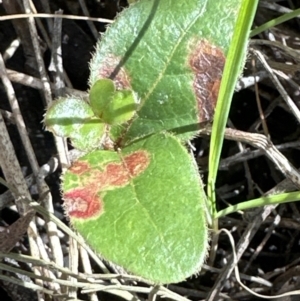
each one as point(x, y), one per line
point(207, 63)
point(115, 175)
point(119, 174)
point(79, 167)
point(83, 202)
point(110, 69)
point(136, 162)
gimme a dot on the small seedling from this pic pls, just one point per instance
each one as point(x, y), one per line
point(136, 196)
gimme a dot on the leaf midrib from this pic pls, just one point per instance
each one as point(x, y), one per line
point(170, 57)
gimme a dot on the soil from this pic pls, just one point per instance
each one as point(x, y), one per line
point(275, 246)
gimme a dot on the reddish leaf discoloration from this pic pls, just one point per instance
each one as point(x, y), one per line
point(119, 174)
point(112, 70)
point(207, 62)
point(116, 175)
point(79, 167)
point(136, 162)
point(83, 202)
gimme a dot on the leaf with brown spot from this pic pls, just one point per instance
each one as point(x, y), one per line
point(171, 53)
point(142, 208)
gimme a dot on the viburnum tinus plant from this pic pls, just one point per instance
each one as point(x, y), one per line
point(136, 195)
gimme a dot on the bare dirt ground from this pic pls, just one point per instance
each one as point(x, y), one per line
point(268, 240)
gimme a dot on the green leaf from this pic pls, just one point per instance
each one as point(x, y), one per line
point(101, 94)
point(142, 208)
point(171, 53)
point(121, 108)
point(113, 107)
point(73, 118)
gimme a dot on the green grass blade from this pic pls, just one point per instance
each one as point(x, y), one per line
point(232, 70)
point(275, 22)
point(263, 201)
